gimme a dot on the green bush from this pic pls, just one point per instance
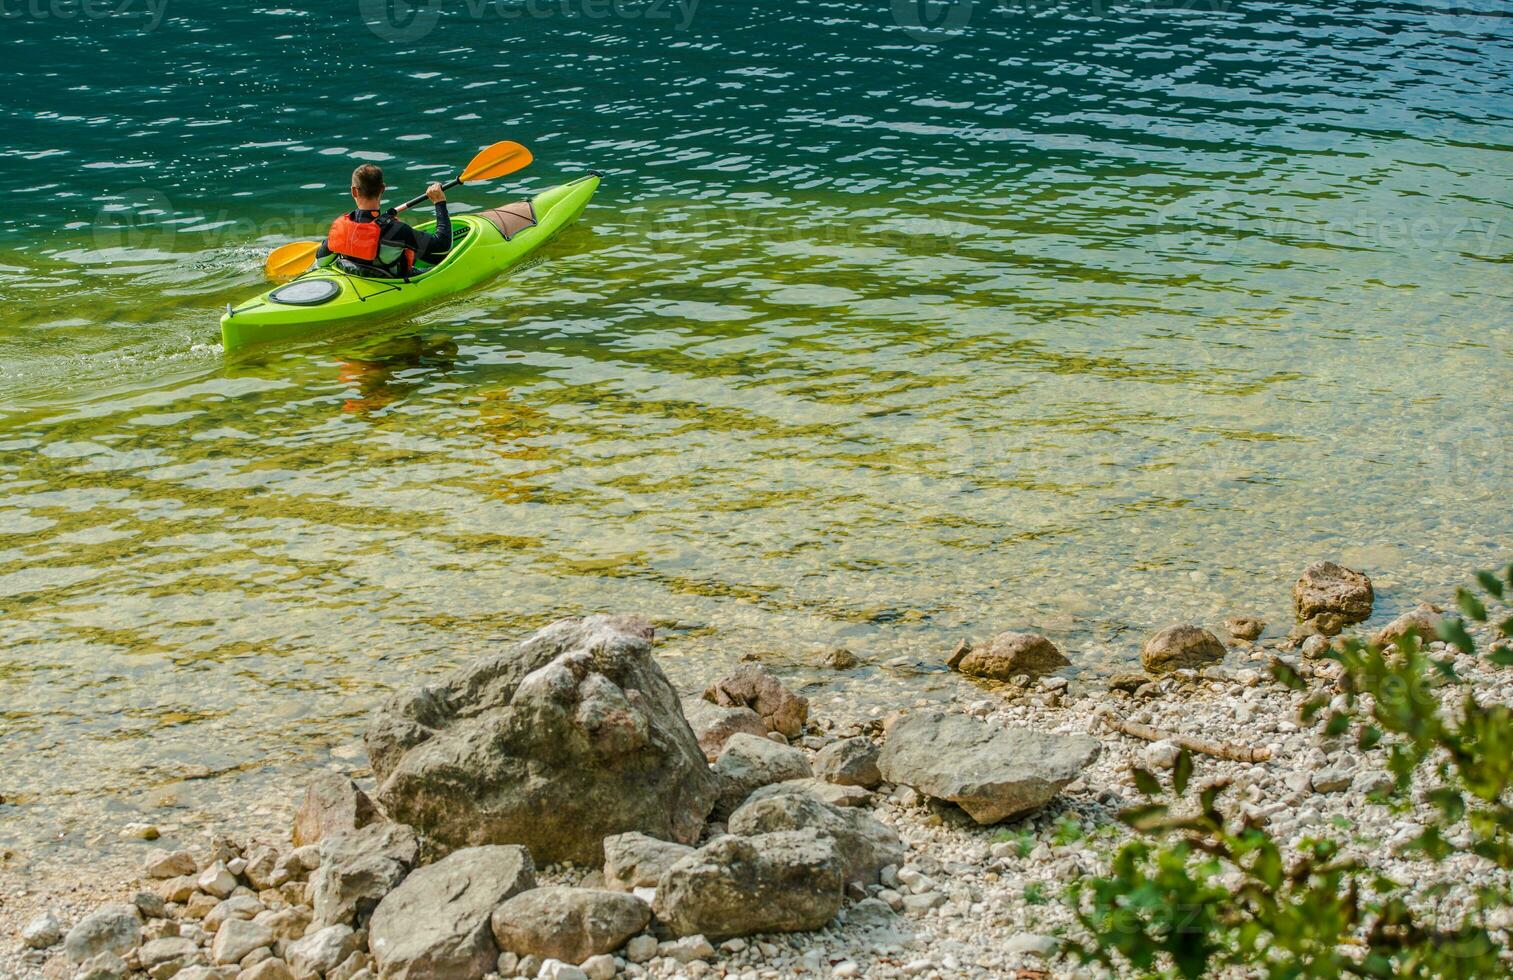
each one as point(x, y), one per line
point(1195, 893)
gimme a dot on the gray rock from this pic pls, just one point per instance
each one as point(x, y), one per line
point(1331, 780)
point(849, 762)
point(436, 923)
point(839, 658)
point(1181, 647)
point(1423, 620)
point(321, 951)
point(992, 773)
point(358, 869)
point(333, 804)
point(637, 861)
point(832, 793)
point(577, 722)
point(166, 950)
point(242, 906)
point(749, 762)
point(1008, 655)
point(210, 973)
point(558, 970)
point(641, 948)
point(601, 967)
point(569, 924)
point(1245, 627)
point(104, 966)
point(43, 930)
point(114, 929)
point(1327, 588)
point(236, 938)
point(1032, 944)
point(686, 950)
point(169, 864)
point(738, 886)
point(269, 969)
point(216, 880)
point(864, 844)
point(750, 686)
point(713, 724)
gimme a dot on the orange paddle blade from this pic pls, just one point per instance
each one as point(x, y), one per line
point(496, 161)
point(290, 260)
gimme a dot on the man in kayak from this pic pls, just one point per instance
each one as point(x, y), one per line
point(369, 243)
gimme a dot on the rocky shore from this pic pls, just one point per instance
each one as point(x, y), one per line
point(555, 809)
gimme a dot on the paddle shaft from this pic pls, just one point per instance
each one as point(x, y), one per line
point(455, 182)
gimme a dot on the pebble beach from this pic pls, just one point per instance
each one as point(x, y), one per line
point(956, 899)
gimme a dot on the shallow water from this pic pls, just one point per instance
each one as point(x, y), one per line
point(1081, 318)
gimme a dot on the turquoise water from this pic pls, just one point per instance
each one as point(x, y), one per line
point(1077, 317)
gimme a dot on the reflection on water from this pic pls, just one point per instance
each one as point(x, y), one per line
point(1077, 323)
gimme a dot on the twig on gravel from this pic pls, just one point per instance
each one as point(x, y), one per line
point(1219, 750)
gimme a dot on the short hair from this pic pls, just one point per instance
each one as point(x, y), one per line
point(369, 180)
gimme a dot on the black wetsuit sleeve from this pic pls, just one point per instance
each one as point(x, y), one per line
point(432, 246)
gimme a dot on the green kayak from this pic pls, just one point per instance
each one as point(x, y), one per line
point(484, 245)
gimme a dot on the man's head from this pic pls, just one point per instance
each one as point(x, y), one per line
point(367, 186)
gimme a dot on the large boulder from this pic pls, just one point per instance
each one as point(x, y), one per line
point(333, 804)
point(554, 744)
point(713, 724)
point(1180, 647)
point(737, 886)
point(750, 762)
point(993, 773)
point(358, 869)
point(1331, 594)
point(1008, 655)
point(863, 843)
point(849, 762)
point(435, 925)
point(637, 861)
point(749, 686)
point(568, 924)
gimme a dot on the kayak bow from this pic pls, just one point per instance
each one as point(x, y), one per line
point(484, 245)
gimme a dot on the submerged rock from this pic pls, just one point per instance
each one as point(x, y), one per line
point(1181, 647)
point(992, 773)
point(737, 886)
point(1009, 654)
point(436, 923)
point(569, 924)
point(749, 686)
point(577, 722)
point(1326, 588)
point(1245, 627)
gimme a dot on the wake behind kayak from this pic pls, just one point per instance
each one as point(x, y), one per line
point(485, 244)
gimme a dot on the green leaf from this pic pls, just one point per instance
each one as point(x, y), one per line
point(1145, 782)
point(1491, 583)
point(1470, 605)
point(1338, 724)
point(1287, 676)
point(1147, 818)
point(1453, 631)
point(1369, 737)
point(1501, 656)
point(1182, 772)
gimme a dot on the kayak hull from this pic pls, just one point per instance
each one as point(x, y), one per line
point(480, 252)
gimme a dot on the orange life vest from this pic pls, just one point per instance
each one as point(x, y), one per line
point(362, 240)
